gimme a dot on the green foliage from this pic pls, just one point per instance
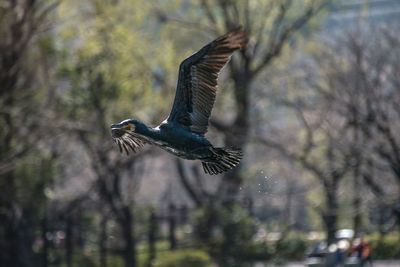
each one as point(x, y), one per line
point(235, 230)
point(165, 258)
point(259, 251)
point(161, 245)
point(293, 246)
point(184, 258)
point(80, 259)
point(385, 247)
point(116, 62)
point(237, 219)
point(33, 177)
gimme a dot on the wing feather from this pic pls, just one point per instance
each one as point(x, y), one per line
point(129, 141)
point(198, 81)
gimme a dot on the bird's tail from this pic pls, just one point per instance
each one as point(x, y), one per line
point(223, 160)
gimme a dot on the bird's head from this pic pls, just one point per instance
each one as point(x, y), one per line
point(126, 136)
point(126, 126)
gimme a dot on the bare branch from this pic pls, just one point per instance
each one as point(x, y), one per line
point(185, 182)
point(277, 45)
point(207, 9)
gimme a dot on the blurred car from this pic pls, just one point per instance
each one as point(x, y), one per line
point(320, 254)
point(316, 256)
point(344, 234)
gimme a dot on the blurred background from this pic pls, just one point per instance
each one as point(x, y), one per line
point(313, 101)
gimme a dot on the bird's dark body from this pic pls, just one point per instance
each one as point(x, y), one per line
point(176, 140)
point(182, 133)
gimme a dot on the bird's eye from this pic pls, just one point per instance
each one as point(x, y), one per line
point(129, 127)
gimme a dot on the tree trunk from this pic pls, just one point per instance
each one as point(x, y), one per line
point(232, 180)
point(172, 226)
point(45, 253)
point(128, 236)
point(152, 236)
point(183, 214)
point(238, 134)
point(357, 202)
point(69, 239)
point(103, 241)
point(204, 227)
point(290, 191)
point(381, 220)
point(396, 211)
point(331, 213)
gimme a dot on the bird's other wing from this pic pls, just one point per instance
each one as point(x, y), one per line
point(198, 81)
point(128, 141)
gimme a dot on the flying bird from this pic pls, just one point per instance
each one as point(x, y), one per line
point(182, 133)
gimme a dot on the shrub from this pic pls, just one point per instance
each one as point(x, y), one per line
point(385, 247)
point(184, 258)
point(293, 247)
point(258, 251)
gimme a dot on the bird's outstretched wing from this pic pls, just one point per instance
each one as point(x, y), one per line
point(198, 81)
point(128, 141)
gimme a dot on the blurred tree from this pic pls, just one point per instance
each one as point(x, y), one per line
point(364, 89)
point(103, 240)
point(343, 112)
point(323, 142)
point(90, 93)
point(26, 162)
point(152, 236)
point(320, 150)
point(272, 25)
point(172, 214)
point(100, 57)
